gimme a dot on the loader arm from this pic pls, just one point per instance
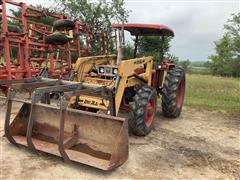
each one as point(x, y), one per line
point(129, 78)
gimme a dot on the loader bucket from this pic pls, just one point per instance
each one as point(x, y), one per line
point(97, 140)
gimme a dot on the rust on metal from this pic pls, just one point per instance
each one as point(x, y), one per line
point(97, 140)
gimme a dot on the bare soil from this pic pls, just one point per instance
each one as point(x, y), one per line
point(198, 145)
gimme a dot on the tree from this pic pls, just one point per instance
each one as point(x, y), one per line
point(185, 64)
point(45, 19)
point(172, 57)
point(226, 61)
point(128, 51)
point(98, 14)
point(151, 45)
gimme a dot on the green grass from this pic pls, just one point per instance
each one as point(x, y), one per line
point(213, 93)
point(199, 70)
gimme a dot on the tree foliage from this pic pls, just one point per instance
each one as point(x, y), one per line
point(152, 45)
point(172, 57)
point(44, 19)
point(128, 51)
point(226, 61)
point(98, 14)
point(185, 64)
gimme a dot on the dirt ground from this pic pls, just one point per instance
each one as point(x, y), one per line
point(198, 145)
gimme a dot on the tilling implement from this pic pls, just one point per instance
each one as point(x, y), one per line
point(29, 45)
point(89, 122)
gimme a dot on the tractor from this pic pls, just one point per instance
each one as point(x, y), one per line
point(108, 97)
point(136, 82)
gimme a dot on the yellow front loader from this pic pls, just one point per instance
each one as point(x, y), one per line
point(109, 96)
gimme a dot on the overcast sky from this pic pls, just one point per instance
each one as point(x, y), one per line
point(197, 24)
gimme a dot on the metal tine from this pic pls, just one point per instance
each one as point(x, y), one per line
point(33, 85)
point(87, 91)
point(30, 122)
point(60, 88)
point(27, 80)
point(30, 83)
point(8, 116)
point(63, 108)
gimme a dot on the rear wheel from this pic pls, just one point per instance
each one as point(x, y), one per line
point(173, 93)
point(144, 110)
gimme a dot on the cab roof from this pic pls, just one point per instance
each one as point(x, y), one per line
point(146, 29)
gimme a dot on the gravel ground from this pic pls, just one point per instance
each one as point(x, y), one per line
point(198, 145)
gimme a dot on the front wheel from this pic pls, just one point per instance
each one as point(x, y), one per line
point(173, 93)
point(144, 110)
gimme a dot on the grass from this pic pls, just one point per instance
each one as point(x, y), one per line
point(213, 93)
point(199, 70)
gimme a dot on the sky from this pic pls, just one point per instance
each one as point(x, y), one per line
point(196, 23)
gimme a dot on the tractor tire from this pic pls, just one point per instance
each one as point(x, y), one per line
point(143, 111)
point(173, 93)
point(56, 39)
point(14, 29)
point(63, 24)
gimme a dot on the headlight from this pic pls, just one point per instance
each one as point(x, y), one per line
point(101, 70)
point(115, 71)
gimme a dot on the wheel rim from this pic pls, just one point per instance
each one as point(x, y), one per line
point(180, 93)
point(150, 112)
